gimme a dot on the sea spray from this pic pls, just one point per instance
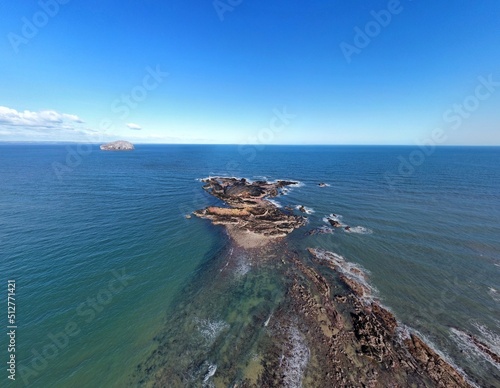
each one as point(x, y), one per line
point(358, 230)
point(210, 329)
point(294, 365)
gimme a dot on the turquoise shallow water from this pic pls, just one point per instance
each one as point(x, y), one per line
point(430, 240)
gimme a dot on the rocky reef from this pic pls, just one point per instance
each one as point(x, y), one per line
point(277, 317)
point(251, 219)
point(354, 332)
point(119, 145)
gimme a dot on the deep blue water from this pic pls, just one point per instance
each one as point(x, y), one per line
point(72, 223)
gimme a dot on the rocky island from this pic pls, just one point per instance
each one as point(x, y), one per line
point(250, 219)
point(120, 145)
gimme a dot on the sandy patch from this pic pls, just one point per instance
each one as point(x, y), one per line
point(247, 239)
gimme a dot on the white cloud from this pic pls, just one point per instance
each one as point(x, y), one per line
point(134, 126)
point(46, 125)
point(49, 119)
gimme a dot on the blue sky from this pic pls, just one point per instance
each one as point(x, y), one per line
point(344, 72)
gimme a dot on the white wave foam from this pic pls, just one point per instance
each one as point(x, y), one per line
point(308, 210)
point(274, 202)
point(212, 368)
point(354, 272)
point(490, 338)
point(243, 266)
point(223, 175)
point(358, 230)
point(223, 268)
point(324, 230)
point(470, 348)
point(350, 229)
point(297, 183)
point(403, 333)
point(334, 217)
point(287, 189)
point(494, 294)
point(294, 366)
point(441, 354)
point(210, 330)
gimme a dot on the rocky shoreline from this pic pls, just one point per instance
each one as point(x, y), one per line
point(361, 336)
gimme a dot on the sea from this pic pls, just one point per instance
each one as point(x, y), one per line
point(106, 264)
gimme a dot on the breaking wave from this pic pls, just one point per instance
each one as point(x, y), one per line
point(348, 229)
point(485, 347)
point(210, 330)
point(494, 294)
point(334, 217)
point(212, 368)
point(352, 271)
point(274, 202)
point(308, 210)
point(359, 230)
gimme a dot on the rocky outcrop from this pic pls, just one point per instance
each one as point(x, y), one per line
point(400, 358)
point(334, 223)
point(249, 211)
point(119, 145)
point(441, 372)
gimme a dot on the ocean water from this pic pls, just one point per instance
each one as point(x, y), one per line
point(107, 265)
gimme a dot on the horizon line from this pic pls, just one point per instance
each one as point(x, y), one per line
point(46, 142)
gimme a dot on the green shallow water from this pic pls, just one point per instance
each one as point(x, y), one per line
point(218, 322)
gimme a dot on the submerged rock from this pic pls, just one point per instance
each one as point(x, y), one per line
point(120, 145)
point(320, 230)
